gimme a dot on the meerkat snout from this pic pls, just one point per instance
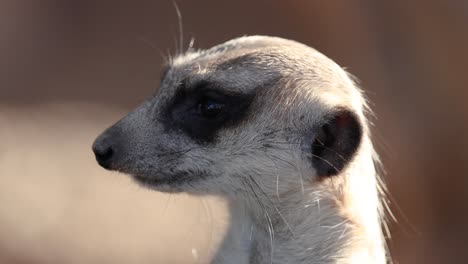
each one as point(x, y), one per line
point(272, 125)
point(104, 151)
point(107, 148)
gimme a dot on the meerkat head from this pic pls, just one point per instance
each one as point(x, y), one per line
point(259, 109)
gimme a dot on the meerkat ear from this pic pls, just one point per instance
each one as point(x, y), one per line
point(335, 143)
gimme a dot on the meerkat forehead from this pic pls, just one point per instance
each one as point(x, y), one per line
point(245, 64)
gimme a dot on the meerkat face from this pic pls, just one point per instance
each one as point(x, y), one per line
point(255, 109)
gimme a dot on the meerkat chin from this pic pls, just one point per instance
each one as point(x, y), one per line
point(276, 128)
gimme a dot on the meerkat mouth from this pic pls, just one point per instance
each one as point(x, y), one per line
point(168, 180)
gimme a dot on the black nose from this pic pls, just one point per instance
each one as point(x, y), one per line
point(104, 152)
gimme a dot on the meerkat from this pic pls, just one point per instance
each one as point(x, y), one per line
point(276, 128)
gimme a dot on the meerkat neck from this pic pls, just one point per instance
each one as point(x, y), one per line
point(307, 225)
point(291, 231)
point(298, 231)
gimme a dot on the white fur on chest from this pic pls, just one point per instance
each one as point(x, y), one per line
point(309, 231)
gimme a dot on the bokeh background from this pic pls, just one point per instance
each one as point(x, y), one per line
point(68, 69)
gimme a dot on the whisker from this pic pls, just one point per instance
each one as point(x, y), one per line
point(326, 161)
point(301, 178)
point(154, 47)
point(277, 176)
point(318, 157)
point(271, 231)
point(176, 44)
point(274, 206)
point(210, 215)
point(181, 28)
point(328, 148)
point(191, 44)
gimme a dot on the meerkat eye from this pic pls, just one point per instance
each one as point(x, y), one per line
point(203, 111)
point(210, 109)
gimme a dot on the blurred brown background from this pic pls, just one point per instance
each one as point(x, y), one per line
point(68, 69)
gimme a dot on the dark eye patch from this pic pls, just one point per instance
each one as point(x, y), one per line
point(185, 113)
